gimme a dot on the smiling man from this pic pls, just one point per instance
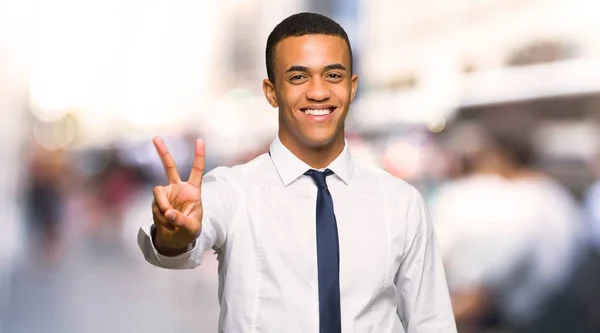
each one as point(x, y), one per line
point(308, 239)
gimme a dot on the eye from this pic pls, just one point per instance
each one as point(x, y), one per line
point(334, 77)
point(296, 77)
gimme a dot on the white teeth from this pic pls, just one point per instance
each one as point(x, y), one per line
point(318, 112)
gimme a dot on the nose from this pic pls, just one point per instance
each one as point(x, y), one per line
point(317, 90)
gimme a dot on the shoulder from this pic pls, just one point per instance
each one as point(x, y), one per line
point(471, 189)
point(384, 182)
point(240, 173)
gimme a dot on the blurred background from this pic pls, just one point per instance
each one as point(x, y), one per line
point(490, 108)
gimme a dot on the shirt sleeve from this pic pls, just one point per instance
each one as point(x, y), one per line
point(219, 194)
point(423, 299)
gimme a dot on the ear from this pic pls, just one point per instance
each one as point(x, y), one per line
point(354, 83)
point(269, 90)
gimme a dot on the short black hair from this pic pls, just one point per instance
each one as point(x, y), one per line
point(516, 147)
point(298, 25)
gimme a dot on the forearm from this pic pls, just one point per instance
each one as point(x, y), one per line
point(470, 306)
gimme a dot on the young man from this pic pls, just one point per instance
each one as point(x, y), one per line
point(308, 239)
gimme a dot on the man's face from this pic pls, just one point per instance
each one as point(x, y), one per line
point(313, 89)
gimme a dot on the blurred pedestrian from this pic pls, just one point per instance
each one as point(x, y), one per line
point(509, 236)
point(45, 201)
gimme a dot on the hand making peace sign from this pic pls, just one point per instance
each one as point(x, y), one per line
point(177, 207)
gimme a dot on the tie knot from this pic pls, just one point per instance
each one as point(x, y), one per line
point(319, 176)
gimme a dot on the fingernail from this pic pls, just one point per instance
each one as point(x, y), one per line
point(170, 216)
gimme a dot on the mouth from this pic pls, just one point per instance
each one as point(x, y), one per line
point(318, 113)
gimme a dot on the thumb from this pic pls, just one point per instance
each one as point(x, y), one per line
point(175, 217)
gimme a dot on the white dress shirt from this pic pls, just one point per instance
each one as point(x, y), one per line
point(260, 218)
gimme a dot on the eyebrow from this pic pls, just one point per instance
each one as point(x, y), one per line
point(335, 66)
point(298, 68)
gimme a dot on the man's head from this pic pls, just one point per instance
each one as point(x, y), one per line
point(503, 152)
point(310, 80)
point(299, 25)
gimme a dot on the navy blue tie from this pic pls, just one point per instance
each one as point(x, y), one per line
point(328, 257)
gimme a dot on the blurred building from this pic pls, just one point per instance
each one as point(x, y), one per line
point(196, 68)
point(432, 44)
point(528, 65)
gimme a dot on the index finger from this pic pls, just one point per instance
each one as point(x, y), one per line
point(198, 164)
point(167, 160)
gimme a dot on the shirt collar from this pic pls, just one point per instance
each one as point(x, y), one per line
point(291, 167)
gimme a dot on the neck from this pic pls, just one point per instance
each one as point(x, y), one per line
point(316, 157)
point(485, 168)
point(525, 174)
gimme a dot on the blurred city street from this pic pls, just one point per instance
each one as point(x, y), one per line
point(106, 286)
point(491, 109)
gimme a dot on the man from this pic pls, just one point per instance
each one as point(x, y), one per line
point(308, 239)
point(475, 221)
point(508, 235)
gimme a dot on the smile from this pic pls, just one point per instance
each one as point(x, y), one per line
point(318, 112)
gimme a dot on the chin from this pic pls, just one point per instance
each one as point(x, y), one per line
point(318, 141)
